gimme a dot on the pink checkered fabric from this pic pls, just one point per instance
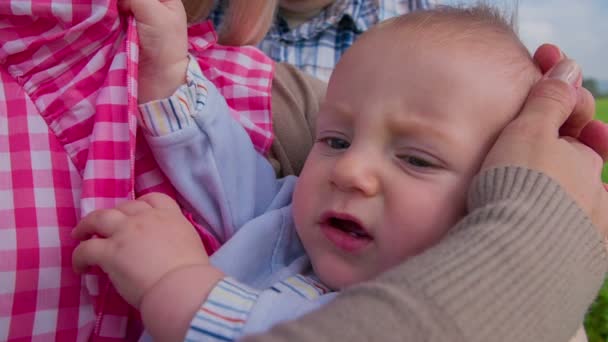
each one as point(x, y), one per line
point(68, 145)
point(247, 96)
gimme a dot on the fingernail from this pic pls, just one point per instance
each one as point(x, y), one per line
point(567, 71)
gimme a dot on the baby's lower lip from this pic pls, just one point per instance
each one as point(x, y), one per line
point(344, 240)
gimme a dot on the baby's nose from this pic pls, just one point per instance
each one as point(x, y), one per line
point(356, 171)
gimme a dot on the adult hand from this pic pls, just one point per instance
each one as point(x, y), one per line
point(532, 140)
point(137, 244)
point(546, 57)
point(163, 37)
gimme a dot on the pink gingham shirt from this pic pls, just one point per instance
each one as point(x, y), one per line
point(68, 145)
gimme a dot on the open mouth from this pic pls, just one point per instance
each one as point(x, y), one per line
point(349, 227)
point(345, 232)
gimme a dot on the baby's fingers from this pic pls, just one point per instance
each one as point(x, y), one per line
point(159, 200)
point(91, 253)
point(103, 222)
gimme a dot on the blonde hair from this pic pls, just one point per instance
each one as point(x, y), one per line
point(245, 22)
point(458, 22)
point(481, 24)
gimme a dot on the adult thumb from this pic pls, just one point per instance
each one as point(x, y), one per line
point(551, 101)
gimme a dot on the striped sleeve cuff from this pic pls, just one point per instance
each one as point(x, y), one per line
point(224, 314)
point(165, 116)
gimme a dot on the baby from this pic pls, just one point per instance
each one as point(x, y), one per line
point(411, 110)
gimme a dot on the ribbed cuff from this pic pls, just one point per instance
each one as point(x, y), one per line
point(224, 314)
point(523, 265)
point(165, 116)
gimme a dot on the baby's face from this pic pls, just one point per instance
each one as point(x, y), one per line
point(403, 130)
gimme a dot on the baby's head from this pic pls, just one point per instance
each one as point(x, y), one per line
point(411, 110)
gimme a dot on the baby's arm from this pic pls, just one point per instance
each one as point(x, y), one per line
point(154, 258)
point(209, 158)
point(233, 310)
point(220, 177)
point(163, 56)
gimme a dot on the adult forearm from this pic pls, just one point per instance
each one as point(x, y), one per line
point(522, 266)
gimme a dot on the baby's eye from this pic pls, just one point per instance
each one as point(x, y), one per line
point(418, 162)
point(336, 143)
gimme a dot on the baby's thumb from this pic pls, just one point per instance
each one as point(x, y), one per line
point(145, 11)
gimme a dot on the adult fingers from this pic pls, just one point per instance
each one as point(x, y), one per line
point(595, 135)
point(90, 253)
point(583, 113)
point(552, 99)
point(592, 159)
point(594, 198)
point(159, 200)
point(546, 56)
point(103, 222)
point(600, 214)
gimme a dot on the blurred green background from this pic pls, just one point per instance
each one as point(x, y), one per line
point(596, 322)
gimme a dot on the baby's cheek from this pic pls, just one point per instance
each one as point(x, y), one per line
point(302, 199)
point(420, 228)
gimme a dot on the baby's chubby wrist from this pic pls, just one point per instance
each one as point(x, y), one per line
point(161, 82)
point(169, 305)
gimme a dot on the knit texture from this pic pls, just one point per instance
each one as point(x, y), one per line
point(522, 266)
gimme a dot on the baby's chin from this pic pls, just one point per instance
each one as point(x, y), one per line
point(340, 277)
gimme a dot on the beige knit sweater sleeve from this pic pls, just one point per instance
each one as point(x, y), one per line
point(522, 266)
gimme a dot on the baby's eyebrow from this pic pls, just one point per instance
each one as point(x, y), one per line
point(424, 130)
point(336, 109)
point(334, 115)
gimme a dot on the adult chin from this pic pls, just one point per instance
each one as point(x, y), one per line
point(304, 6)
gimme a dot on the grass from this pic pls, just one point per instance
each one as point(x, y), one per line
point(602, 108)
point(596, 321)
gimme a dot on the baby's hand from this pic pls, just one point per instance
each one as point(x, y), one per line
point(137, 244)
point(163, 37)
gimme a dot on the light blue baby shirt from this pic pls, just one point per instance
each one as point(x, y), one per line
point(232, 190)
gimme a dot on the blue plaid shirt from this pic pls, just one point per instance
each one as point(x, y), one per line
point(316, 45)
